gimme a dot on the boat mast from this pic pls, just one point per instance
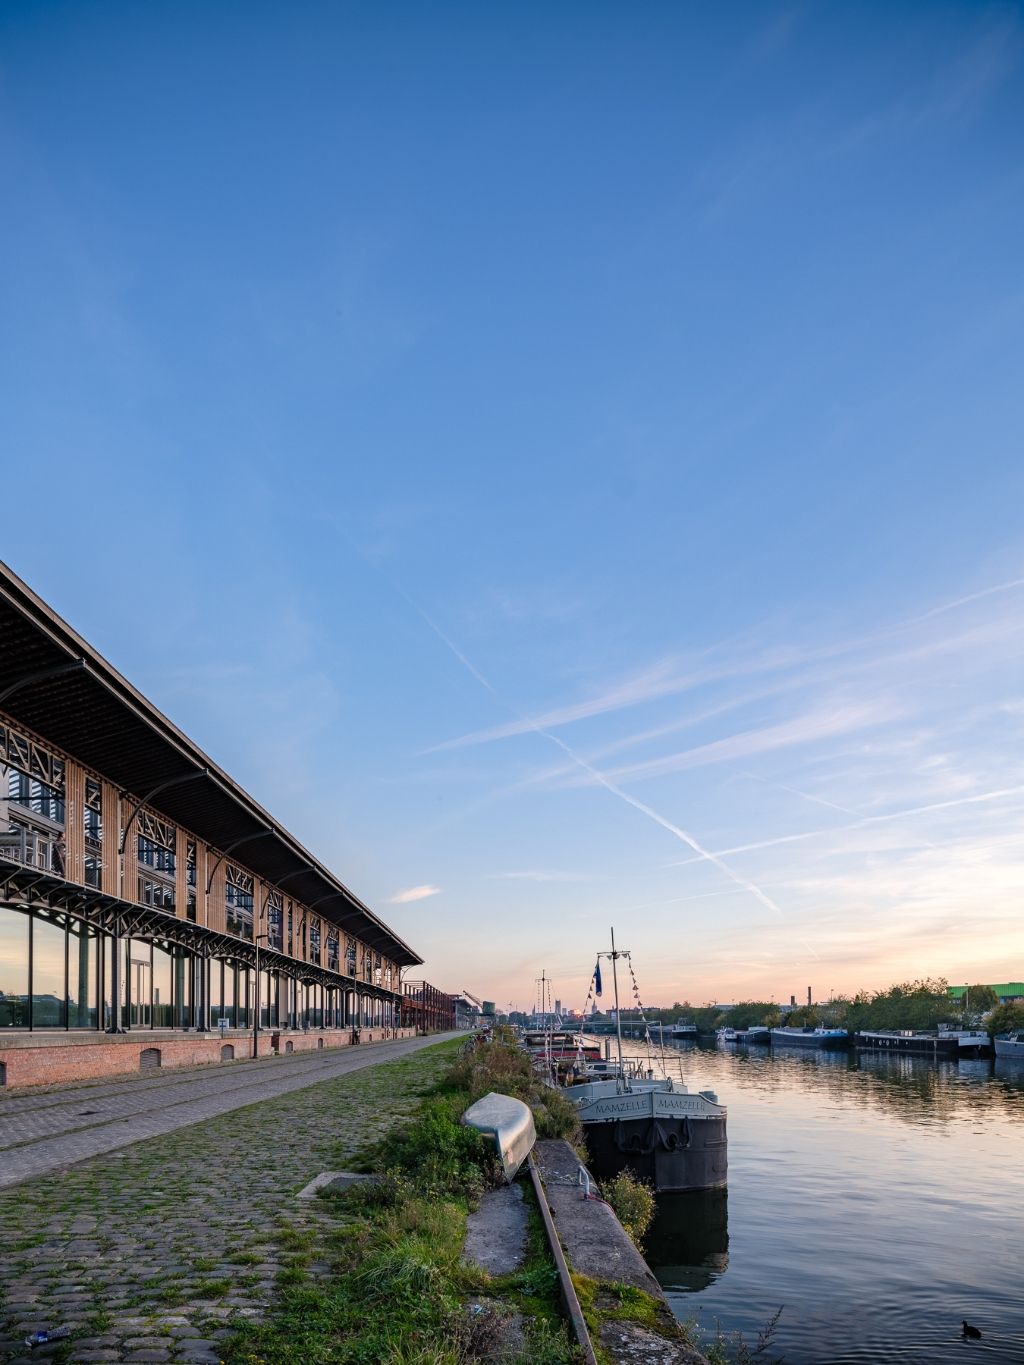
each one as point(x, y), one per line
point(618, 1013)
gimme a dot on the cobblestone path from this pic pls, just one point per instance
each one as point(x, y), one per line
point(45, 1132)
point(149, 1252)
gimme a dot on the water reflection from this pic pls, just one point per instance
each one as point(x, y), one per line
point(877, 1196)
point(1010, 1071)
point(689, 1239)
point(906, 1086)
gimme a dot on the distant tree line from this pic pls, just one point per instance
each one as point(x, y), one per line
point(922, 1004)
point(1007, 1018)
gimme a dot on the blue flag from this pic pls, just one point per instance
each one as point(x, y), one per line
point(597, 978)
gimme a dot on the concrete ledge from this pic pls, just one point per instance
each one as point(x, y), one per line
point(594, 1239)
point(597, 1246)
point(332, 1180)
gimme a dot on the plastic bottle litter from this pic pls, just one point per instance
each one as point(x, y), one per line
point(43, 1337)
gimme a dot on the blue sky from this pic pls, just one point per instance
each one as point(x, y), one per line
point(563, 459)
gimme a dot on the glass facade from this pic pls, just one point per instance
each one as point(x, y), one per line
point(83, 975)
point(14, 940)
point(57, 971)
point(49, 967)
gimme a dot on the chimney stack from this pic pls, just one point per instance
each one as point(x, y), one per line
point(809, 1000)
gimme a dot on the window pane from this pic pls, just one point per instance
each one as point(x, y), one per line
point(228, 1005)
point(163, 994)
point(82, 972)
point(140, 983)
point(182, 988)
point(48, 984)
point(216, 991)
point(13, 968)
point(244, 995)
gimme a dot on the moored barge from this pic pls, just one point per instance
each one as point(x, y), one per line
point(909, 1041)
point(1010, 1045)
point(830, 1038)
point(657, 1129)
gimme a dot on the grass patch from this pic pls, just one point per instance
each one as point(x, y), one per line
point(632, 1202)
point(396, 1290)
point(211, 1289)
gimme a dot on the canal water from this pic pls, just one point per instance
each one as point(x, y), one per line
point(877, 1200)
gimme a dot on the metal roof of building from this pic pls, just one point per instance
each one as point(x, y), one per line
point(61, 688)
point(1004, 988)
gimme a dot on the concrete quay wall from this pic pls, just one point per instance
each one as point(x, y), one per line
point(597, 1245)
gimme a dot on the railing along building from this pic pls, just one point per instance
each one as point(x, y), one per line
point(426, 1008)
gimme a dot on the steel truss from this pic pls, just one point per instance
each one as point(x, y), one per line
point(33, 888)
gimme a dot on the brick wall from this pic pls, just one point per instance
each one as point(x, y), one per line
point(62, 1058)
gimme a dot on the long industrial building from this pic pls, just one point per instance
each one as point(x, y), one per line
point(151, 912)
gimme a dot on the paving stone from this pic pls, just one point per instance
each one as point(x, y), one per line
point(174, 1198)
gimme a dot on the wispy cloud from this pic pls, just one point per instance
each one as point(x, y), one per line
point(665, 678)
point(804, 796)
point(997, 589)
point(414, 893)
point(613, 789)
point(1001, 794)
point(659, 681)
point(804, 730)
point(541, 876)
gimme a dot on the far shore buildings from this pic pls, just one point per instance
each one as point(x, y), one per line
point(151, 912)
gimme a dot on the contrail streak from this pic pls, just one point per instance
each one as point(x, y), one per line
point(866, 820)
point(964, 601)
point(804, 796)
point(677, 831)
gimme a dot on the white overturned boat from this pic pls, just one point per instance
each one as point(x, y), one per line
point(1010, 1046)
point(508, 1122)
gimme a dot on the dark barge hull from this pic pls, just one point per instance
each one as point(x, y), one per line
point(809, 1040)
point(918, 1047)
point(671, 1154)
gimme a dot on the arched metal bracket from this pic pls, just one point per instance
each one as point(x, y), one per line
point(245, 839)
point(161, 786)
point(40, 675)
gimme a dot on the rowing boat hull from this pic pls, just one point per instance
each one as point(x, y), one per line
point(508, 1123)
